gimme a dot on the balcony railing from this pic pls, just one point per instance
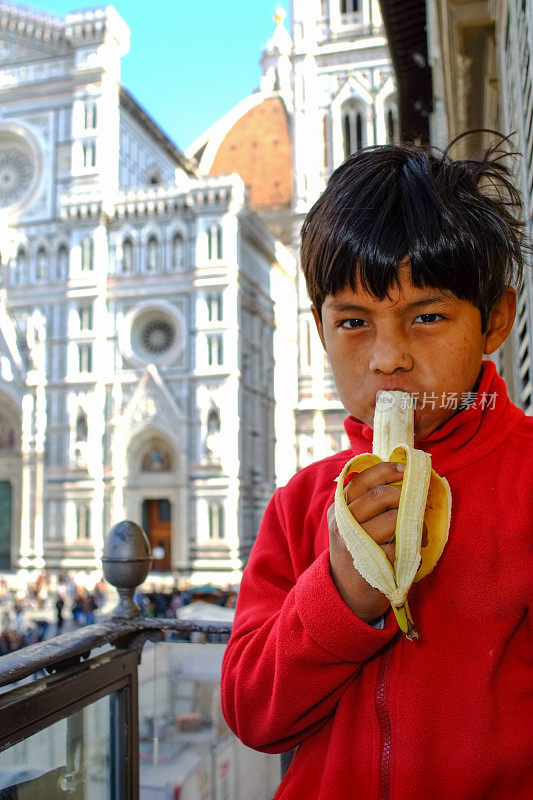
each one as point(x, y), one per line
point(70, 705)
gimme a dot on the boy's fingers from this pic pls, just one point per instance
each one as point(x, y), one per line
point(332, 522)
point(374, 502)
point(382, 528)
point(385, 472)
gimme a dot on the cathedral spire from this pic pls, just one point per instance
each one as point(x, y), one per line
point(280, 42)
point(275, 59)
point(279, 15)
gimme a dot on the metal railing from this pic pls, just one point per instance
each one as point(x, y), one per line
point(84, 712)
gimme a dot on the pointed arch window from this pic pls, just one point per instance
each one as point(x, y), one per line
point(352, 127)
point(21, 266)
point(89, 154)
point(85, 316)
point(85, 357)
point(81, 426)
point(87, 254)
point(350, 6)
point(214, 307)
point(41, 263)
point(216, 520)
point(152, 254)
point(213, 421)
point(90, 115)
point(215, 350)
point(83, 521)
point(177, 251)
point(62, 261)
point(127, 256)
point(214, 242)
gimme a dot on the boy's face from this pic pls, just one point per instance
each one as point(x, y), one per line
point(423, 341)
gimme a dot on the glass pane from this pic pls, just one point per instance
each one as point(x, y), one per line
point(186, 748)
point(71, 758)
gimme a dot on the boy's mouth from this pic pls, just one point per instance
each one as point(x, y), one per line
point(393, 387)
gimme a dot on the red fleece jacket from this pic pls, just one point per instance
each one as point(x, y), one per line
point(373, 715)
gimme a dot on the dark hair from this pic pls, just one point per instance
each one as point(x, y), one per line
point(458, 222)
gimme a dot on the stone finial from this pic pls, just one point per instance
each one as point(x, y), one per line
point(126, 560)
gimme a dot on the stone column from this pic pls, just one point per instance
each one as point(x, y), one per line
point(26, 493)
point(40, 432)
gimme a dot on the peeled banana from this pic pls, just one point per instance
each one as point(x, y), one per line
point(393, 440)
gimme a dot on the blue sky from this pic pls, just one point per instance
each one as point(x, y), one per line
point(190, 62)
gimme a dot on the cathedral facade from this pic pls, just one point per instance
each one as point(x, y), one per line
point(158, 354)
point(141, 306)
point(158, 358)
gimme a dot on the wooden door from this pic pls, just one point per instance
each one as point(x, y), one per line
point(156, 521)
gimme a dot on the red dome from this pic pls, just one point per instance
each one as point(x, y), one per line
point(258, 148)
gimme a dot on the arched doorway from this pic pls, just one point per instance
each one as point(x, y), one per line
point(157, 518)
point(156, 459)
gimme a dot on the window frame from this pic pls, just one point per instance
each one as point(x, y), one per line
point(86, 316)
point(152, 253)
point(215, 349)
point(215, 242)
point(83, 520)
point(87, 254)
point(89, 155)
point(85, 362)
point(90, 115)
point(216, 520)
point(215, 306)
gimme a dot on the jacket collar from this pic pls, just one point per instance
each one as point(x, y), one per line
point(468, 435)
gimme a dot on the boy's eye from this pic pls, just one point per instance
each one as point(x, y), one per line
point(427, 319)
point(353, 323)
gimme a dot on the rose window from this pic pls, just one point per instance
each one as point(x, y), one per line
point(157, 336)
point(17, 172)
point(152, 333)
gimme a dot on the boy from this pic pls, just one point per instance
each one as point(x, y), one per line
point(409, 259)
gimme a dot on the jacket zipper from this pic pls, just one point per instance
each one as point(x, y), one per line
point(382, 687)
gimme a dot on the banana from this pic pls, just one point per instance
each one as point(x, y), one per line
point(393, 440)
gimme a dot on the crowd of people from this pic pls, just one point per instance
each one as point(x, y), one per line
point(160, 602)
point(51, 605)
point(44, 608)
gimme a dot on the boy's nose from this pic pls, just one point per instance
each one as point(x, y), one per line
point(388, 355)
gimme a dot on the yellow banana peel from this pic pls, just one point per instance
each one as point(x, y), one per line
point(393, 440)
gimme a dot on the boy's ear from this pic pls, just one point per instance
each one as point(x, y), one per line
point(318, 322)
point(500, 322)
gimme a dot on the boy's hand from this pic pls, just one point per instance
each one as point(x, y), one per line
point(373, 502)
